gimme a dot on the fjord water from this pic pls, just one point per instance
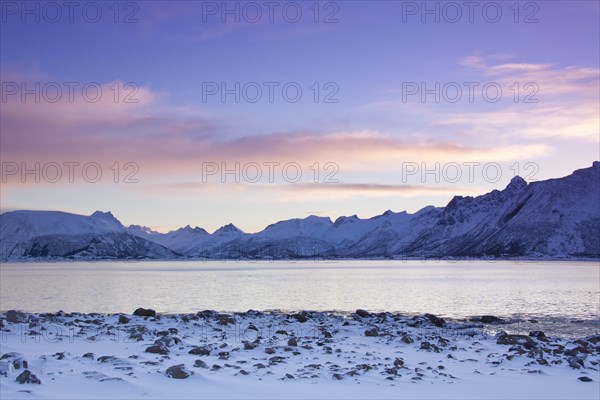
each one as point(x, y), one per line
point(568, 291)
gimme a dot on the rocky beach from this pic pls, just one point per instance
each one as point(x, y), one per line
point(277, 354)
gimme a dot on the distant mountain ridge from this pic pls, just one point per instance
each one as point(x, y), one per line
point(557, 218)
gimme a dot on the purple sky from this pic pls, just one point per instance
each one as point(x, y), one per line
point(162, 129)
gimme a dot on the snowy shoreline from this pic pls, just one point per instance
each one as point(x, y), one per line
point(286, 355)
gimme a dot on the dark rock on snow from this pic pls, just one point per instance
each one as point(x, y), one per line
point(27, 377)
point(178, 372)
point(143, 312)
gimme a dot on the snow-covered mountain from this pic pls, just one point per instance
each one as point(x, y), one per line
point(55, 234)
point(557, 218)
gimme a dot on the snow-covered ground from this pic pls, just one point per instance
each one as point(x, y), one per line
point(279, 355)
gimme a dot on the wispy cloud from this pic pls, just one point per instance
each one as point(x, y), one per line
point(165, 140)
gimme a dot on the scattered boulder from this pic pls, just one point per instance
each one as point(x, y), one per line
point(372, 332)
point(224, 319)
point(537, 334)
point(488, 319)
point(16, 317)
point(104, 359)
point(200, 351)
point(6, 368)
point(157, 349)
point(167, 341)
point(585, 379)
point(178, 372)
point(144, 312)
point(27, 377)
point(594, 339)
point(437, 321)
point(200, 364)
point(292, 342)
point(398, 362)
point(363, 313)
point(407, 339)
point(301, 317)
point(123, 319)
point(206, 314)
point(522, 340)
point(250, 345)
point(429, 346)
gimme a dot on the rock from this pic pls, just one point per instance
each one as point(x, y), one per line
point(19, 363)
point(292, 342)
point(429, 346)
point(522, 340)
point(16, 317)
point(200, 351)
point(585, 379)
point(178, 372)
point(243, 372)
point(398, 362)
point(157, 349)
point(276, 360)
point(372, 332)
point(224, 319)
point(576, 351)
point(123, 319)
point(406, 339)
point(437, 321)
point(88, 355)
point(337, 377)
point(27, 377)
point(259, 366)
point(537, 334)
point(289, 376)
point(300, 317)
point(488, 319)
point(270, 350)
point(575, 362)
point(143, 312)
point(594, 339)
point(281, 332)
point(363, 313)
point(167, 341)
point(200, 364)
point(206, 314)
point(104, 359)
point(250, 345)
point(6, 368)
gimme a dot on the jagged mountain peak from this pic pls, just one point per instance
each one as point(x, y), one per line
point(346, 220)
point(516, 183)
point(103, 215)
point(228, 229)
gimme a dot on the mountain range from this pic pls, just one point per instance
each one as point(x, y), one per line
point(551, 219)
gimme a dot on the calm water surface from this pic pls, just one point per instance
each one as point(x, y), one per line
point(453, 289)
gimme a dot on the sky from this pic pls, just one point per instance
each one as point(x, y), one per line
point(170, 113)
